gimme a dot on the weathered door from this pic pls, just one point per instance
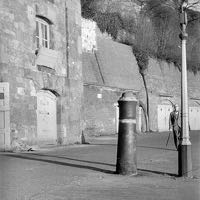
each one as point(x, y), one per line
point(140, 119)
point(46, 117)
point(194, 118)
point(163, 117)
point(116, 117)
point(4, 116)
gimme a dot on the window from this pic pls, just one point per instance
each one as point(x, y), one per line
point(42, 33)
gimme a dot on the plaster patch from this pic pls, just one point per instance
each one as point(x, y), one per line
point(51, 14)
point(30, 13)
point(20, 91)
point(64, 71)
point(32, 88)
point(64, 131)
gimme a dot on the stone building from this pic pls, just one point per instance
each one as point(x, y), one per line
point(40, 72)
point(110, 68)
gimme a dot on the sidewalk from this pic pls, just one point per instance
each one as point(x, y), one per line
point(86, 172)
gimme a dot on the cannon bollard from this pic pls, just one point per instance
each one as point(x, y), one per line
point(126, 149)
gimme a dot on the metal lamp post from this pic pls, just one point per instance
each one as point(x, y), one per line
point(184, 151)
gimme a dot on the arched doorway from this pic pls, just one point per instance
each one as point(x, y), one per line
point(116, 117)
point(194, 115)
point(46, 117)
point(163, 112)
point(4, 116)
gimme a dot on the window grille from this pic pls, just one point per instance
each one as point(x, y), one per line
point(42, 33)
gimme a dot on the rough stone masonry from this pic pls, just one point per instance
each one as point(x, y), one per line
point(52, 69)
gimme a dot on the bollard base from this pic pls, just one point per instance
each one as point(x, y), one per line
point(126, 169)
point(127, 174)
point(126, 150)
point(184, 161)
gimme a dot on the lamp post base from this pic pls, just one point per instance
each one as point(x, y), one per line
point(184, 161)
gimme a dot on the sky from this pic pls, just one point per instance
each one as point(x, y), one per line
point(197, 6)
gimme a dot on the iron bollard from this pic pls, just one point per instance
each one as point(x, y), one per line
point(126, 149)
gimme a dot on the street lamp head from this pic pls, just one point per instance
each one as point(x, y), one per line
point(183, 14)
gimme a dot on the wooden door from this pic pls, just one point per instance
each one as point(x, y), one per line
point(116, 117)
point(163, 117)
point(140, 119)
point(194, 118)
point(4, 116)
point(46, 117)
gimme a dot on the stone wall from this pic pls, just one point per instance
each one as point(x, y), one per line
point(163, 83)
point(104, 79)
point(101, 109)
point(19, 65)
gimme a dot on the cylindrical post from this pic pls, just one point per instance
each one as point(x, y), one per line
point(126, 149)
point(184, 150)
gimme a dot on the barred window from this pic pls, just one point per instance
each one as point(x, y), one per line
point(42, 33)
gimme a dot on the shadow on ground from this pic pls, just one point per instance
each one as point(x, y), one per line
point(42, 158)
point(29, 157)
point(148, 147)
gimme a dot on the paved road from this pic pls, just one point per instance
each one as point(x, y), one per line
point(86, 172)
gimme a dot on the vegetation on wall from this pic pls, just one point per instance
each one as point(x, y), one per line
point(110, 22)
point(155, 31)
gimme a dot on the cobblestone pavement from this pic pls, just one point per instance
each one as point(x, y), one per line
point(86, 172)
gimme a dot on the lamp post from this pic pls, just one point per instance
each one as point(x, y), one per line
point(184, 150)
